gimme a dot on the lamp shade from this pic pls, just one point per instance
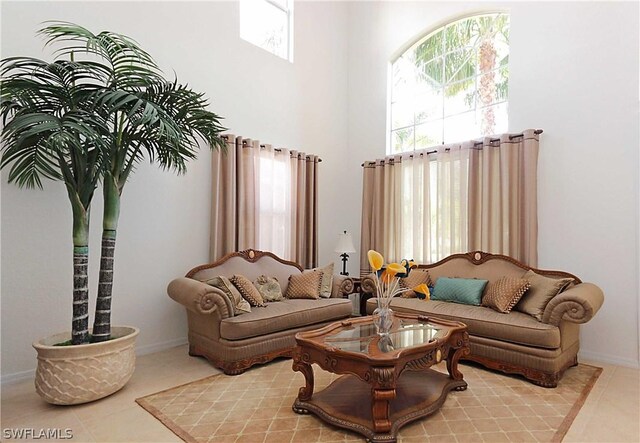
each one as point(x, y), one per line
point(345, 243)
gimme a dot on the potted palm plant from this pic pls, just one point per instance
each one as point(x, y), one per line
point(91, 115)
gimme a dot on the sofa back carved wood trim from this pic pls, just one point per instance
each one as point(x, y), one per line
point(250, 255)
point(480, 257)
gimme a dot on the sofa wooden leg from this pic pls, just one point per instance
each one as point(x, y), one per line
point(551, 382)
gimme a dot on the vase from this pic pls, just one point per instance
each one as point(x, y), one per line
point(383, 320)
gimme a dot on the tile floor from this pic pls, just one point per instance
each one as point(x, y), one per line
point(610, 414)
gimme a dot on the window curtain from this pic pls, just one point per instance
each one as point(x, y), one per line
point(233, 202)
point(304, 208)
point(503, 197)
point(427, 205)
point(264, 198)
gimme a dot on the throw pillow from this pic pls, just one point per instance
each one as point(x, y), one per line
point(416, 277)
point(326, 282)
point(541, 291)
point(239, 304)
point(467, 291)
point(503, 294)
point(269, 288)
point(248, 291)
point(304, 285)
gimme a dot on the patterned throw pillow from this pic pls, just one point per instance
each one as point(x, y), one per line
point(542, 290)
point(269, 288)
point(239, 304)
point(248, 291)
point(305, 285)
point(416, 277)
point(502, 295)
point(326, 282)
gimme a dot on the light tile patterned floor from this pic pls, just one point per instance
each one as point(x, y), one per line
point(256, 407)
point(610, 413)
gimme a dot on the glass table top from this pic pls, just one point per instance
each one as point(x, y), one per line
point(406, 333)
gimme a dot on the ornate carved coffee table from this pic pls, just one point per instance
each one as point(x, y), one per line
point(389, 382)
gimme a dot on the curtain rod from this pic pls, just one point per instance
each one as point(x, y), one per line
point(479, 143)
point(262, 146)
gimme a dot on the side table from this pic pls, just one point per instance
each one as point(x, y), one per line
point(357, 289)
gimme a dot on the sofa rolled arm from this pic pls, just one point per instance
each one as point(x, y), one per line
point(368, 284)
point(578, 304)
point(342, 285)
point(198, 297)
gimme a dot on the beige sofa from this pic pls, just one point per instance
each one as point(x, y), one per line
point(234, 343)
point(516, 342)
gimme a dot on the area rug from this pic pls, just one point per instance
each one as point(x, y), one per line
point(255, 407)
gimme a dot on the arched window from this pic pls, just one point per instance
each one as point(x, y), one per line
point(452, 85)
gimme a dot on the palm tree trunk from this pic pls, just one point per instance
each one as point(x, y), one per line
point(487, 85)
point(102, 318)
point(80, 322)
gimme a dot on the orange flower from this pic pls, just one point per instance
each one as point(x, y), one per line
point(423, 290)
point(386, 277)
point(375, 259)
point(395, 268)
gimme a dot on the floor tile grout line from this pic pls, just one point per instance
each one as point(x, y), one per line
point(84, 426)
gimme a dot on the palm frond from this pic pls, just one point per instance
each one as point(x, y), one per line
point(73, 119)
point(131, 66)
point(165, 122)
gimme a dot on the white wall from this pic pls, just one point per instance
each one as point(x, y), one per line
point(164, 226)
point(573, 73)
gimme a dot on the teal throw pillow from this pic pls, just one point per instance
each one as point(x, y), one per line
point(467, 291)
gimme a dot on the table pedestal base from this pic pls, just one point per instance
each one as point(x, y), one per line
point(347, 402)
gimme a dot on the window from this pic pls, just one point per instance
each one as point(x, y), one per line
point(273, 191)
point(452, 85)
point(268, 24)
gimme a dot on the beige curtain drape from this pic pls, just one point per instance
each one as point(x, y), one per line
point(304, 209)
point(264, 198)
point(233, 201)
point(503, 197)
point(427, 205)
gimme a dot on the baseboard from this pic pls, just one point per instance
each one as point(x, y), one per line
point(157, 347)
point(140, 350)
point(610, 359)
point(18, 376)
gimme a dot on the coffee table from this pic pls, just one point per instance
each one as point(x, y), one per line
point(389, 380)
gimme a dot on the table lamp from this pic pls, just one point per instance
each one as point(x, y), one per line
point(345, 245)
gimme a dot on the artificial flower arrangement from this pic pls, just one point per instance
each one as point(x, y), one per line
point(388, 286)
point(388, 278)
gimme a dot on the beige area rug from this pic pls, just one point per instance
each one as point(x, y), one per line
point(256, 407)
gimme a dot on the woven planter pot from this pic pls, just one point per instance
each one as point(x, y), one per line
point(69, 375)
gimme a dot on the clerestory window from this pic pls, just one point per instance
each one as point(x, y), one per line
point(269, 25)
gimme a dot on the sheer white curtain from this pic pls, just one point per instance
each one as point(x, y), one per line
point(434, 204)
point(273, 196)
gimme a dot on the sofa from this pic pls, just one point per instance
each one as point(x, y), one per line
point(234, 343)
point(515, 342)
